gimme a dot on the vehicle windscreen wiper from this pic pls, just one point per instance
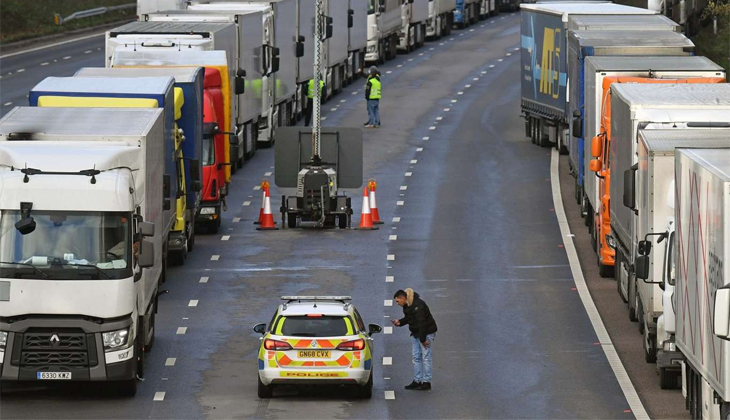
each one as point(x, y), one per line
point(98, 270)
point(36, 269)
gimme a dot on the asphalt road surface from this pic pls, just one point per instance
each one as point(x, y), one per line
point(469, 224)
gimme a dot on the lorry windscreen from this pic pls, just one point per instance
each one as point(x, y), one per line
point(208, 151)
point(67, 245)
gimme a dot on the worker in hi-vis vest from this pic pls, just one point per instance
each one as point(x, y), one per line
point(373, 93)
point(310, 100)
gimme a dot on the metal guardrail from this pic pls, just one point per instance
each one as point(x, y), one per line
point(59, 20)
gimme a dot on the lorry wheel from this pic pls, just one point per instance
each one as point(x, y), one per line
point(588, 220)
point(191, 239)
point(342, 221)
point(264, 391)
point(177, 258)
point(594, 237)
point(632, 299)
point(642, 321)
point(291, 221)
point(605, 271)
point(649, 346)
point(668, 379)
point(215, 225)
point(153, 316)
point(127, 388)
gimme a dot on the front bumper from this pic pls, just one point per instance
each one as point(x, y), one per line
point(81, 352)
point(210, 211)
point(669, 359)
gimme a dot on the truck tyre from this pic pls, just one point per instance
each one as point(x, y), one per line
point(649, 346)
point(153, 316)
point(342, 221)
point(127, 388)
point(725, 411)
point(642, 320)
point(291, 220)
point(668, 379)
point(594, 237)
point(589, 215)
point(191, 239)
point(605, 271)
point(633, 298)
point(542, 139)
point(381, 52)
point(178, 258)
point(234, 158)
point(264, 391)
point(366, 391)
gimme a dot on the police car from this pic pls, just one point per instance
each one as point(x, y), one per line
point(316, 340)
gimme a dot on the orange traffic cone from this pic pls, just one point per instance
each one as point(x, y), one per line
point(267, 221)
point(264, 187)
point(374, 204)
point(366, 219)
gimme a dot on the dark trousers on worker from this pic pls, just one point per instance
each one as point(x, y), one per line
point(308, 112)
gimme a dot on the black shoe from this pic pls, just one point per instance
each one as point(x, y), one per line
point(367, 123)
point(425, 386)
point(414, 385)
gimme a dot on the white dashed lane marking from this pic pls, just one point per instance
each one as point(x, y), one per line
point(193, 303)
point(432, 128)
point(268, 173)
point(393, 237)
point(425, 139)
point(67, 57)
point(409, 173)
point(7, 103)
point(403, 187)
point(20, 70)
point(391, 257)
point(484, 72)
point(491, 65)
point(389, 71)
point(225, 237)
point(389, 395)
point(500, 60)
point(87, 52)
point(453, 101)
point(419, 149)
point(333, 109)
point(45, 63)
point(467, 86)
point(396, 219)
point(170, 361)
point(459, 93)
point(389, 279)
point(246, 203)
point(215, 257)
point(236, 219)
point(414, 161)
point(399, 65)
point(204, 279)
point(400, 203)
point(387, 361)
point(181, 330)
point(342, 101)
point(475, 79)
point(256, 188)
point(388, 302)
point(160, 396)
point(388, 330)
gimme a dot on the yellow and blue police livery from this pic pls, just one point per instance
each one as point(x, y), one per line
point(316, 340)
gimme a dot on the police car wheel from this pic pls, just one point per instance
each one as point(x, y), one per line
point(366, 391)
point(265, 391)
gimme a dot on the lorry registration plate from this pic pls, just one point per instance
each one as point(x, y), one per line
point(54, 375)
point(314, 354)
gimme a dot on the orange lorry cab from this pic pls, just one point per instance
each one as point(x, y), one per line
point(600, 164)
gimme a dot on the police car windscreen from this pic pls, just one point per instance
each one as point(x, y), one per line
point(320, 326)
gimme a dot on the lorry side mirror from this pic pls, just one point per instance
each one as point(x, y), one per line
point(596, 146)
point(146, 229)
point(595, 165)
point(166, 186)
point(241, 73)
point(27, 224)
point(578, 127)
point(328, 27)
point(644, 247)
point(146, 254)
point(195, 169)
point(299, 52)
point(642, 267)
point(240, 86)
point(350, 18)
point(721, 314)
point(629, 183)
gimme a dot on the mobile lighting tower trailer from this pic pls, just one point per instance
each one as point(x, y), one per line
point(336, 158)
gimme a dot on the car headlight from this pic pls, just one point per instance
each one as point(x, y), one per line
point(372, 48)
point(116, 340)
point(3, 339)
point(207, 210)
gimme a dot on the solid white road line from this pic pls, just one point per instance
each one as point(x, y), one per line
point(389, 395)
point(389, 279)
point(159, 396)
point(204, 279)
point(53, 45)
point(387, 361)
point(637, 408)
point(193, 303)
point(181, 330)
point(170, 361)
point(215, 257)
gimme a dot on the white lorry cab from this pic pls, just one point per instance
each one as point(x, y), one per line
point(81, 199)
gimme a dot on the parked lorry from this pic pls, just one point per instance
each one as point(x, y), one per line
point(357, 31)
point(214, 200)
point(586, 43)
point(487, 8)
point(208, 33)
point(648, 189)
point(189, 129)
point(466, 13)
point(414, 14)
point(702, 293)
point(600, 72)
point(155, 92)
point(384, 22)
point(509, 5)
point(279, 38)
point(83, 216)
point(440, 18)
point(545, 66)
point(693, 105)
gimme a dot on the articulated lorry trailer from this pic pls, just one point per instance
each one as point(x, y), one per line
point(208, 33)
point(414, 14)
point(83, 215)
point(189, 126)
point(652, 190)
point(599, 74)
point(487, 8)
point(649, 106)
point(440, 18)
point(702, 292)
point(545, 80)
point(384, 23)
point(357, 33)
point(147, 92)
point(620, 42)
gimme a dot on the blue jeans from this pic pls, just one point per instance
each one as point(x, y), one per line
point(373, 112)
point(423, 359)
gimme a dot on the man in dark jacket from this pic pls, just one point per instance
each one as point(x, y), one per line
point(423, 328)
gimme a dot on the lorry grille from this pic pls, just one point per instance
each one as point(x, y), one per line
point(58, 347)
